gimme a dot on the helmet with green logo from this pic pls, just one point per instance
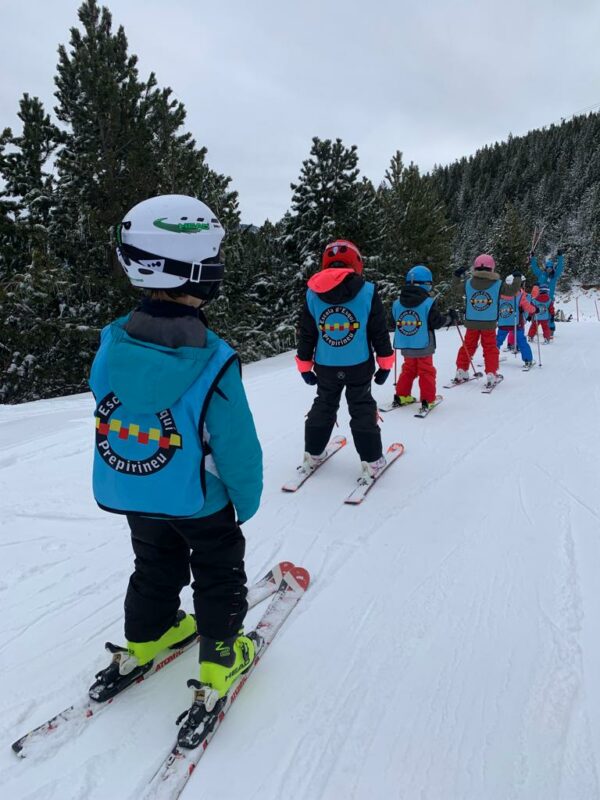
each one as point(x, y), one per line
point(172, 242)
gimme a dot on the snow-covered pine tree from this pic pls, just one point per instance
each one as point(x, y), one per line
point(510, 242)
point(415, 228)
point(325, 205)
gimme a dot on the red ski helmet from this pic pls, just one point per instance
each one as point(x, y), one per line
point(340, 254)
point(484, 261)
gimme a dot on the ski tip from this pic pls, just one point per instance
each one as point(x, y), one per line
point(300, 576)
point(395, 447)
point(17, 748)
point(285, 566)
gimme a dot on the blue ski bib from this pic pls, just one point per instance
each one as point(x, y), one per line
point(543, 313)
point(412, 330)
point(342, 328)
point(482, 304)
point(508, 313)
point(151, 464)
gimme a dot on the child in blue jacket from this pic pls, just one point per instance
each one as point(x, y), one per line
point(176, 451)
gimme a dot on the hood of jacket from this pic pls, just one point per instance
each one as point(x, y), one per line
point(150, 377)
point(336, 286)
point(411, 296)
point(483, 278)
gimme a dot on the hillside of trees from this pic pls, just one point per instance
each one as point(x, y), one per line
point(117, 137)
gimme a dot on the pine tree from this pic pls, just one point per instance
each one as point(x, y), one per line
point(323, 200)
point(510, 242)
point(415, 228)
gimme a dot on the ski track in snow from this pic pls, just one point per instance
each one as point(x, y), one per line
point(447, 648)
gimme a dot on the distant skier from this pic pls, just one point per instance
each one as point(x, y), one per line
point(483, 288)
point(549, 275)
point(343, 322)
point(544, 307)
point(512, 313)
point(176, 448)
point(417, 317)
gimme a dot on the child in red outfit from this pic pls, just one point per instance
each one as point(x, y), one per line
point(416, 318)
point(544, 310)
point(482, 289)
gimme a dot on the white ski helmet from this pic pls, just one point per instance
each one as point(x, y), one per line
point(172, 242)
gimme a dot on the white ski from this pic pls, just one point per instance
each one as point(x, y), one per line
point(489, 389)
point(302, 474)
point(357, 495)
point(70, 722)
point(173, 774)
point(425, 411)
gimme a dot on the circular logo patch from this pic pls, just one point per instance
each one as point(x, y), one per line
point(481, 301)
point(131, 447)
point(409, 323)
point(506, 310)
point(338, 326)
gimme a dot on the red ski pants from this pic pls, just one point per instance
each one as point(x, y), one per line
point(543, 323)
point(422, 368)
point(491, 357)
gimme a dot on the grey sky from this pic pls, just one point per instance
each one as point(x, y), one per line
point(434, 78)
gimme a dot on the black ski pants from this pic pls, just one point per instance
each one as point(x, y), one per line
point(165, 550)
point(363, 412)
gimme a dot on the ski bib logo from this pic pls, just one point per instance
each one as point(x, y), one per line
point(338, 326)
point(506, 310)
point(130, 448)
point(481, 301)
point(409, 323)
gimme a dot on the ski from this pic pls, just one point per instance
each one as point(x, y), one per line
point(490, 389)
point(302, 475)
point(169, 780)
point(358, 494)
point(528, 367)
point(425, 411)
point(454, 383)
point(385, 407)
point(69, 722)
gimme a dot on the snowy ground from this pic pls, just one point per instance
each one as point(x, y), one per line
point(448, 648)
point(584, 301)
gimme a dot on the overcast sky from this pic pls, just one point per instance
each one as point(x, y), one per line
point(434, 78)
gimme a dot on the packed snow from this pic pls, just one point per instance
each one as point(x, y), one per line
point(447, 649)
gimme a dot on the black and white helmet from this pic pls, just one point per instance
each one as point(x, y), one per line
point(172, 242)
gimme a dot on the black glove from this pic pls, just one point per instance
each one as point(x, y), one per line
point(531, 255)
point(560, 252)
point(458, 273)
point(381, 376)
point(453, 316)
point(309, 377)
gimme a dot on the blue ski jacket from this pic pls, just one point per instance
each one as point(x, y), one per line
point(548, 275)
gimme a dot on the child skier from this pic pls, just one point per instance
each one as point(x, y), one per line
point(176, 451)
point(543, 309)
point(482, 289)
point(416, 318)
point(549, 275)
point(512, 313)
point(342, 323)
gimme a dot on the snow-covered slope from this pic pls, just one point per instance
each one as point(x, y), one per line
point(584, 303)
point(448, 648)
